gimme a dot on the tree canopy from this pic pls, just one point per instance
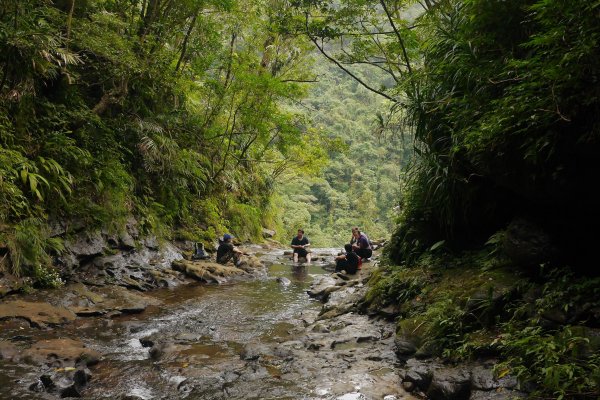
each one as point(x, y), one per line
point(170, 111)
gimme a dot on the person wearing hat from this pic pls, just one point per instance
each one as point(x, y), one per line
point(227, 251)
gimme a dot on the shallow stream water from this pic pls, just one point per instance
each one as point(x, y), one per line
point(201, 336)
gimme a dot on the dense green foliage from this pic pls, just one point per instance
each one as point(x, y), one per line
point(542, 328)
point(359, 185)
point(170, 111)
point(504, 110)
point(502, 100)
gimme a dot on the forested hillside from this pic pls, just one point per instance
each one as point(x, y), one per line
point(493, 256)
point(198, 117)
point(360, 183)
point(166, 111)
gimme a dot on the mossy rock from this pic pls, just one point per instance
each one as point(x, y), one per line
point(413, 330)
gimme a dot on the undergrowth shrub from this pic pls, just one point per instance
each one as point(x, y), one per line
point(555, 361)
point(30, 248)
point(542, 327)
point(244, 220)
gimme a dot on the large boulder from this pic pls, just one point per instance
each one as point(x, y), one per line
point(527, 244)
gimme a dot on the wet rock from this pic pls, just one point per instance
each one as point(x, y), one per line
point(322, 287)
point(61, 353)
point(37, 313)
point(81, 377)
point(449, 384)
point(497, 395)
point(350, 294)
point(418, 373)
point(212, 272)
point(253, 351)
point(251, 265)
point(332, 312)
point(482, 378)
point(404, 347)
point(408, 386)
point(147, 341)
point(44, 383)
point(8, 351)
point(283, 281)
point(320, 328)
point(88, 301)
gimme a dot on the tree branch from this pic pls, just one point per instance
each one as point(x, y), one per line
point(336, 62)
point(389, 17)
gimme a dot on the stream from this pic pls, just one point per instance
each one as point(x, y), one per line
point(259, 339)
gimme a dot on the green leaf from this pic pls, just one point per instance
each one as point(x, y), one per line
point(437, 245)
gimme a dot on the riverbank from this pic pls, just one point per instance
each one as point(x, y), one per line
point(490, 327)
point(145, 323)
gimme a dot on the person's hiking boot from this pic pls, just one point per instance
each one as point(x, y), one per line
point(342, 275)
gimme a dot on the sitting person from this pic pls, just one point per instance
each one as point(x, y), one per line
point(299, 244)
point(227, 251)
point(347, 262)
point(362, 247)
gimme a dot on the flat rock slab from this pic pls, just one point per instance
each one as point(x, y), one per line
point(99, 301)
point(37, 313)
point(212, 272)
point(206, 271)
point(61, 353)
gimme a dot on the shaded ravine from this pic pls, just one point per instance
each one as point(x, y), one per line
point(257, 339)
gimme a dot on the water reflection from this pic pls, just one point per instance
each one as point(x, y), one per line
point(300, 272)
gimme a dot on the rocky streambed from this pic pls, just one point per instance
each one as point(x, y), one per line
point(148, 324)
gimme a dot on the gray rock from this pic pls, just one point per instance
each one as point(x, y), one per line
point(322, 287)
point(126, 241)
point(527, 244)
point(404, 346)
point(268, 233)
point(151, 242)
point(86, 245)
point(496, 395)
point(419, 373)
point(408, 386)
point(450, 384)
point(482, 378)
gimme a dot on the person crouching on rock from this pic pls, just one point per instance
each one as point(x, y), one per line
point(362, 247)
point(227, 251)
point(299, 244)
point(347, 262)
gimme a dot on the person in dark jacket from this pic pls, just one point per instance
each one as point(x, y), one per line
point(347, 262)
point(362, 247)
point(227, 251)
